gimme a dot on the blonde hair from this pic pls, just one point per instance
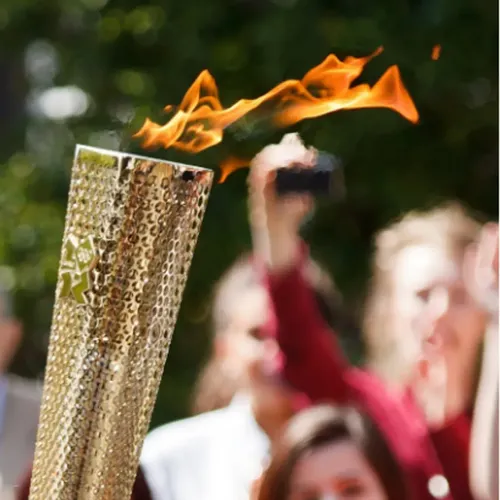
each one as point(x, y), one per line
point(449, 227)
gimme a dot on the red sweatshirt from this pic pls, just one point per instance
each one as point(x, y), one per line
point(434, 462)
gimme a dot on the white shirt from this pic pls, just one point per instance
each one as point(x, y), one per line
point(20, 411)
point(213, 456)
point(5, 493)
point(3, 398)
point(19, 408)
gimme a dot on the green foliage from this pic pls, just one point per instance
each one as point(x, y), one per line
point(134, 58)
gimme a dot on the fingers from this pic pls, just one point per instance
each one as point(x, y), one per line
point(488, 250)
point(486, 263)
point(495, 253)
point(310, 157)
point(480, 269)
point(289, 151)
point(263, 197)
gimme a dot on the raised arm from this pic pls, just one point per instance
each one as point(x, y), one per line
point(313, 362)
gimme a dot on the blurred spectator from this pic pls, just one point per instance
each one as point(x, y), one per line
point(240, 303)
point(219, 453)
point(423, 329)
point(327, 452)
point(19, 406)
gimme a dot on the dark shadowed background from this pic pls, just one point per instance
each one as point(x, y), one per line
point(90, 71)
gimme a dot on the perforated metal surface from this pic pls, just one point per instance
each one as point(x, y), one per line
point(131, 228)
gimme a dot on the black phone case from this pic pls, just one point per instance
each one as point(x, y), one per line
point(325, 179)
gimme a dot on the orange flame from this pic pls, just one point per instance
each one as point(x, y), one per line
point(230, 165)
point(436, 52)
point(200, 120)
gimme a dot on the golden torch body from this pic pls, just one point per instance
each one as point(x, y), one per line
point(131, 228)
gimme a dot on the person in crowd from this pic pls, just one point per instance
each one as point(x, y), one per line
point(240, 401)
point(423, 330)
point(239, 294)
point(327, 452)
point(19, 406)
point(219, 453)
point(482, 270)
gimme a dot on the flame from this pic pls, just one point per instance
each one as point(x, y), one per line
point(200, 120)
point(230, 165)
point(436, 52)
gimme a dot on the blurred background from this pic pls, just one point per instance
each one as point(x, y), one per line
point(90, 71)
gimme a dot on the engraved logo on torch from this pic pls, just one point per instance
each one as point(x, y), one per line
point(78, 259)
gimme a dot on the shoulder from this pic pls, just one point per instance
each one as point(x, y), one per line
point(181, 437)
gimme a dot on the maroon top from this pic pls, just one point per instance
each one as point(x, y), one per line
point(313, 363)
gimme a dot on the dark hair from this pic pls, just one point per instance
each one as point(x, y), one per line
point(214, 388)
point(322, 425)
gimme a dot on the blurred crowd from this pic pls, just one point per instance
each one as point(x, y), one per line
point(279, 413)
point(19, 406)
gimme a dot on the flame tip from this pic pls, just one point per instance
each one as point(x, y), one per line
point(436, 52)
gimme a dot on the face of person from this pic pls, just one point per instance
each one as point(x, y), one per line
point(250, 356)
point(336, 471)
point(432, 308)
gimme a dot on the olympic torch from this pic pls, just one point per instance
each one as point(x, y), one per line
point(131, 228)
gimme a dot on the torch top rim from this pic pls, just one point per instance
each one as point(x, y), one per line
point(123, 154)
